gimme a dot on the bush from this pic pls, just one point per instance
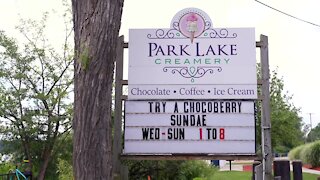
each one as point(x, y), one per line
point(182, 170)
point(294, 154)
point(5, 167)
point(314, 154)
point(65, 170)
point(308, 153)
point(196, 169)
point(305, 153)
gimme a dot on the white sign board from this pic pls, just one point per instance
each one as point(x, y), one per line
point(211, 127)
point(190, 88)
point(192, 54)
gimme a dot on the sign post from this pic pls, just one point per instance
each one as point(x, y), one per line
point(265, 121)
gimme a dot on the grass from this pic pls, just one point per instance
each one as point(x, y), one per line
point(307, 176)
point(239, 175)
point(227, 175)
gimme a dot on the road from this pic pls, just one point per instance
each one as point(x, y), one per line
point(238, 166)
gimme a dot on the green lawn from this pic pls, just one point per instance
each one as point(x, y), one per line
point(307, 176)
point(238, 175)
point(227, 175)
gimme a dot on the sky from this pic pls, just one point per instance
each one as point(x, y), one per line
point(293, 44)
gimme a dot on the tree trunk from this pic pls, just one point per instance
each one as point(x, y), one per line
point(26, 147)
point(46, 158)
point(96, 26)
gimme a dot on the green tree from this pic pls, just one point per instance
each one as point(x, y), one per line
point(286, 124)
point(35, 102)
point(314, 134)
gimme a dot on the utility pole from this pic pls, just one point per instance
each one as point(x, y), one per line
point(310, 114)
point(311, 139)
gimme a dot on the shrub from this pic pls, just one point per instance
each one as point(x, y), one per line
point(294, 154)
point(305, 153)
point(5, 167)
point(314, 154)
point(308, 153)
point(196, 169)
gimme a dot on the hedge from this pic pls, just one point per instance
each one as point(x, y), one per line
point(308, 153)
point(294, 154)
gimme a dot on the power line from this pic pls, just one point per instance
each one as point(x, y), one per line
point(288, 14)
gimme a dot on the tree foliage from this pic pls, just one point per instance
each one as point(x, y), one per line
point(314, 134)
point(35, 103)
point(286, 124)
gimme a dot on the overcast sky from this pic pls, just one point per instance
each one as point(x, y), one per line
point(293, 45)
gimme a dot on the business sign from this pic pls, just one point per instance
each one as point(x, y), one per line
point(192, 60)
point(191, 89)
point(169, 127)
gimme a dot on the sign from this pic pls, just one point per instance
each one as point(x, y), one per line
point(212, 127)
point(191, 88)
point(191, 59)
point(227, 91)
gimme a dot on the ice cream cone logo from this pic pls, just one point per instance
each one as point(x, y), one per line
point(192, 25)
